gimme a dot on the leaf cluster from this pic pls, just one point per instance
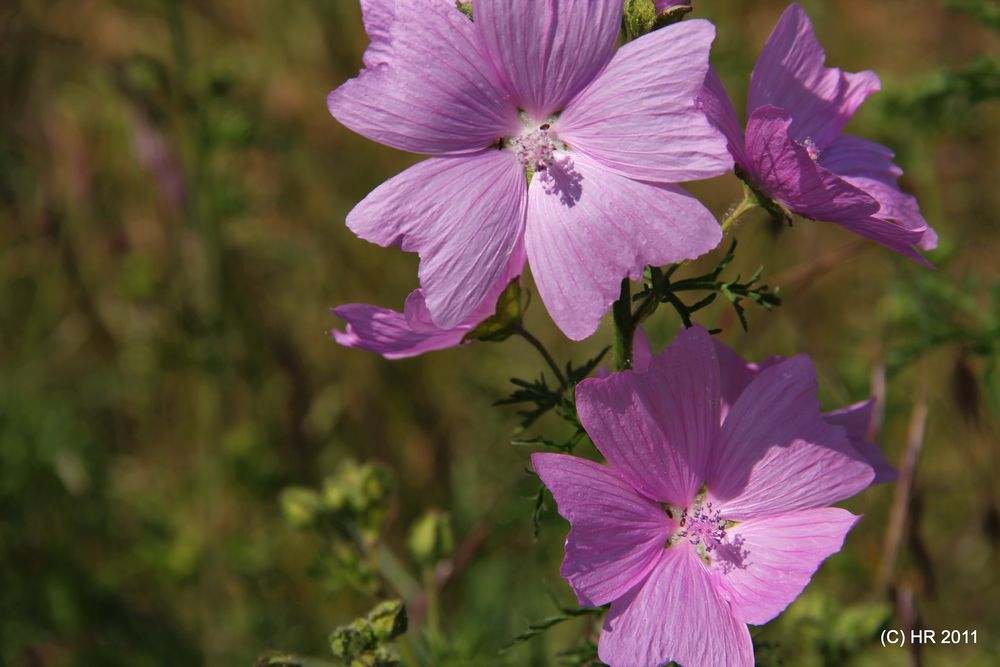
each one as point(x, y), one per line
point(660, 288)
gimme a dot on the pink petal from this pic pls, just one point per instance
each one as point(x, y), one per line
point(664, 5)
point(656, 428)
point(857, 420)
point(783, 552)
point(436, 93)
point(715, 102)
point(378, 16)
point(676, 615)
point(869, 167)
point(642, 351)
point(640, 117)
point(389, 333)
point(463, 214)
point(735, 375)
point(786, 171)
point(584, 236)
point(616, 535)
point(548, 50)
point(790, 74)
point(776, 454)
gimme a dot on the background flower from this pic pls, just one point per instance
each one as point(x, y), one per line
point(794, 149)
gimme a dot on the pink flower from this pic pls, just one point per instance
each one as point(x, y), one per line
point(395, 335)
point(533, 88)
point(700, 523)
point(794, 149)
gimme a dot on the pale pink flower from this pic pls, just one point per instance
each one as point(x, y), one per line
point(706, 518)
point(536, 88)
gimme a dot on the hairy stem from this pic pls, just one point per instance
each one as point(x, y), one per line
point(749, 202)
point(624, 327)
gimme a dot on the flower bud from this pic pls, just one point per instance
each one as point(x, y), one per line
point(431, 539)
point(300, 506)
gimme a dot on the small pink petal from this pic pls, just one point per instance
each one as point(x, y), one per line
point(616, 534)
point(656, 428)
point(590, 228)
point(869, 167)
point(782, 554)
point(714, 101)
point(389, 334)
point(463, 214)
point(435, 93)
point(857, 420)
point(548, 50)
point(790, 74)
point(640, 117)
point(677, 615)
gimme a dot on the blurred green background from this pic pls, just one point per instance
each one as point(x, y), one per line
point(172, 197)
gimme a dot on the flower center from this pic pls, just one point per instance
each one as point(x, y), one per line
point(703, 526)
point(811, 148)
point(543, 156)
point(535, 148)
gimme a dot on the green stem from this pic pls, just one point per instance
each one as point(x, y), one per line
point(750, 201)
point(537, 344)
point(624, 327)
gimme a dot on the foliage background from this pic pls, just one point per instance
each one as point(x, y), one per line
point(172, 196)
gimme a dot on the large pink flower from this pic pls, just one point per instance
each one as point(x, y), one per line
point(536, 88)
point(794, 149)
point(706, 517)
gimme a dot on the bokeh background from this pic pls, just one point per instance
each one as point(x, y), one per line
point(172, 197)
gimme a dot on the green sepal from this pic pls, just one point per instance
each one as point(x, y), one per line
point(506, 319)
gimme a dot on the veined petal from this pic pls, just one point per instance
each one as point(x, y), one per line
point(616, 534)
point(656, 428)
point(856, 420)
point(588, 228)
point(389, 333)
point(790, 74)
point(437, 91)
point(783, 553)
point(787, 172)
point(714, 101)
point(640, 117)
point(676, 615)
point(378, 16)
point(869, 167)
point(548, 50)
point(463, 214)
point(776, 453)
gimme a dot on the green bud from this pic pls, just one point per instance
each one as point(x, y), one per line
point(431, 538)
point(300, 506)
point(352, 640)
point(388, 620)
point(506, 319)
point(639, 17)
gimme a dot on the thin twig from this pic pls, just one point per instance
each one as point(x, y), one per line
point(904, 492)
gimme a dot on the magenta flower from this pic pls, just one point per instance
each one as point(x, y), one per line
point(795, 152)
point(533, 88)
point(395, 335)
point(700, 523)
